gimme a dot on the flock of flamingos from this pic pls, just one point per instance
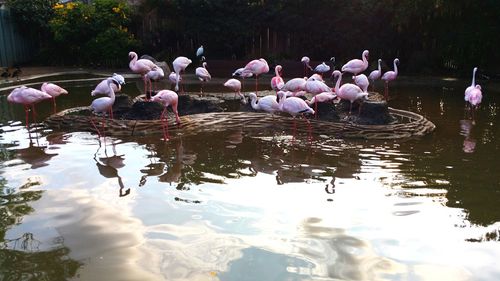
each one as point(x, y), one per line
point(287, 93)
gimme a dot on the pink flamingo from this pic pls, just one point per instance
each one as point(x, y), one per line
point(375, 74)
point(235, 85)
point(167, 98)
point(172, 77)
point(103, 104)
point(348, 91)
point(240, 72)
point(180, 64)
point(142, 67)
point(316, 87)
point(306, 60)
point(322, 68)
point(321, 97)
point(257, 67)
point(475, 98)
point(277, 82)
point(390, 76)
point(103, 89)
point(267, 103)
point(54, 91)
point(203, 75)
point(357, 66)
point(472, 85)
point(294, 106)
point(27, 97)
point(362, 82)
point(295, 85)
point(155, 75)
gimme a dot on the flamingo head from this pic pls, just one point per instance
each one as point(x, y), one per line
point(336, 73)
point(118, 78)
point(396, 61)
point(305, 60)
point(132, 55)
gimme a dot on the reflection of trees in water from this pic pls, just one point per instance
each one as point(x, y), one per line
point(20, 257)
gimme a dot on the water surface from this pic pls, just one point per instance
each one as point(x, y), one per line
point(237, 206)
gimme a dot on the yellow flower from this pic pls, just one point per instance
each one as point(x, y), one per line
point(58, 6)
point(116, 9)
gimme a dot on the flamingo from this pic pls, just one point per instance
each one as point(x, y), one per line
point(172, 77)
point(180, 64)
point(348, 91)
point(54, 91)
point(235, 85)
point(141, 67)
point(167, 98)
point(375, 74)
point(294, 106)
point(356, 66)
point(472, 85)
point(390, 76)
point(257, 67)
point(277, 82)
point(155, 75)
point(322, 68)
point(102, 87)
point(267, 103)
point(362, 82)
point(475, 98)
point(203, 75)
point(321, 97)
point(295, 85)
point(27, 97)
point(306, 60)
point(103, 104)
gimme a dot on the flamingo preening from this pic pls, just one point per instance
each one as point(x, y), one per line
point(376, 74)
point(180, 64)
point(54, 91)
point(356, 66)
point(390, 76)
point(267, 103)
point(362, 81)
point(103, 89)
point(28, 97)
point(167, 98)
point(306, 60)
point(203, 75)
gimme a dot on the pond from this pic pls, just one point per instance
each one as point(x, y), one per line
point(236, 206)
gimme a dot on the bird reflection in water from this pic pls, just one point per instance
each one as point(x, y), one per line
point(465, 130)
point(34, 155)
point(108, 167)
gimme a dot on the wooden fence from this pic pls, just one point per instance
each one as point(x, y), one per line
point(14, 47)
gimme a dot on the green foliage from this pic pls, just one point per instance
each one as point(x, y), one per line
point(32, 15)
point(92, 34)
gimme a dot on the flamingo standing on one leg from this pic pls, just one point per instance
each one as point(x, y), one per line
point(180, 64)
point(103, 104)
point(54, 91)
point(277, 82)
point(27, 97)
point(390, 76)
point(203, 75)
point(257, 67)
point(348, 91)
point(142, 67)
point(235, 85)
point(357, 66)
point(294, 106)
point(267, 103)
point(167, 98)
point(306, 60)
point(375, 74)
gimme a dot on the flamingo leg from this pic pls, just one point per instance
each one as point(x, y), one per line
point(54, 103)
point(95, 126)
point(350, 109)
point(163, 115)
point(27, 109)
point(34, 112)
point(309, 129)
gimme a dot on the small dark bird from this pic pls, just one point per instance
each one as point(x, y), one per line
point(16, 73)
point(5, 73)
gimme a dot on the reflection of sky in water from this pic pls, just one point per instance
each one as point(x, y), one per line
point(229, 206)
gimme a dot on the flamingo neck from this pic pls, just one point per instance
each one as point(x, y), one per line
point(379, 67)
point(337, 84)
point(395, 67)
point(474, 77)
point(253, 102)
point(133, 61)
